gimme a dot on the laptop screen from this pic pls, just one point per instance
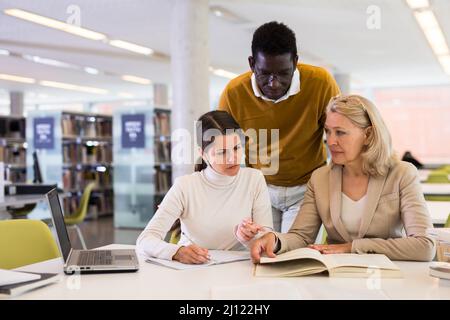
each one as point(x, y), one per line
point(58, 222)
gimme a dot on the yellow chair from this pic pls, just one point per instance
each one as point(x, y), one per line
point(24, 242)
point(445, 168)
point(76, 218)
point(447, 223)
point(324, 236)
point(175, 232)
point(438, 176)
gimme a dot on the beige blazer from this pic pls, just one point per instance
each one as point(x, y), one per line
point(395, 201)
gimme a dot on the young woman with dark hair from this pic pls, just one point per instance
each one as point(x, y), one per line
point(220, 206)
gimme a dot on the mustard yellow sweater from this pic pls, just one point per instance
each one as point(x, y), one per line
point(300, 120)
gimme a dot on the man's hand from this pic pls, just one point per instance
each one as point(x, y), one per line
point(265, 244)
point(191, 254)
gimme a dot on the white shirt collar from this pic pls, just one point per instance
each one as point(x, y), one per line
point(293, 89)
point(216, 178)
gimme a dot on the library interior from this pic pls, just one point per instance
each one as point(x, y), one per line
point(108, 163)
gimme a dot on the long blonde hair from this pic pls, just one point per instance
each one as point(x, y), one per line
point(378, 155)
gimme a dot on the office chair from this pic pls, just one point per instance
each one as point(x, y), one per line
point(24, 242)
point(324, 236)
point(73, 220)
point(445, 168)
point(438, 176)
point(175, 232)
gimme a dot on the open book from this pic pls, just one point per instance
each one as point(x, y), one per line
point(306, 261)
point(217, 257)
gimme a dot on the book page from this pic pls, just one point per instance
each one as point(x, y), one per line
point(301, 253)
point(292, 268)
point(226, 256)
point(177, 265)
point(363, 261)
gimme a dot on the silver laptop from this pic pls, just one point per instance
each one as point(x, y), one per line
point(87, 261)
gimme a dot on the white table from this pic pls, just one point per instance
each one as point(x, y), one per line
point(18, 201)
point(439, 211)
point(21, 200)
point(156, 282)
point(436, 189)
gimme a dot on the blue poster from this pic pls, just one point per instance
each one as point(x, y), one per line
point(133, 131)
point(44, 133)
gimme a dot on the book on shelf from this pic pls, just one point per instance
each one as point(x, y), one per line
point(12, 148)
point(163, 181)
point(102, 202)
point(162, 123)
point(162, 149)
point(86, 126)
point(306, 261)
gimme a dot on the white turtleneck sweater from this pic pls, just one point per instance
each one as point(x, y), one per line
point(209, 206)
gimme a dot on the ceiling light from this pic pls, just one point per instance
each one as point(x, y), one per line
point(418, 4)
point(68, 86)
point(445, 62)
point(430, 26)
point(218, 13)
point(135, 79)
point(91, 70)
point(52, 23)
point(224, 73)
point(227, 15)
point(10, 77)
point(4, 52)
point(131, 47)
point(49, 62)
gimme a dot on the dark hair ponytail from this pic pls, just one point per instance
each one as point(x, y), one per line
point(200, 166)
point(216, 120)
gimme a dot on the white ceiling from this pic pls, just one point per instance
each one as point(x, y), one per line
point(331, 33)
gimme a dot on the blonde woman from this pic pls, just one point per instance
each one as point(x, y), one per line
point(364, 198)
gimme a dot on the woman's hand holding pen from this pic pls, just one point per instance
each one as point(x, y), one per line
point(247, 230)
point(191, 254)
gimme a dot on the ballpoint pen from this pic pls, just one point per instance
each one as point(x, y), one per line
point(191, 241)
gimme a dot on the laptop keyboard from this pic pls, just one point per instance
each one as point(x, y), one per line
point(95, 258)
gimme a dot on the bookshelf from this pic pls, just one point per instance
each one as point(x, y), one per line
point(75, 149)
point(142, 163)
point(13, 148)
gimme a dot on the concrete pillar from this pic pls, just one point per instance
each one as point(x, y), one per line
point(190, 78)
point(16, 103)
point(343, 81)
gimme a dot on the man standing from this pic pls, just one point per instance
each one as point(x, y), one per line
point(280, 94)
